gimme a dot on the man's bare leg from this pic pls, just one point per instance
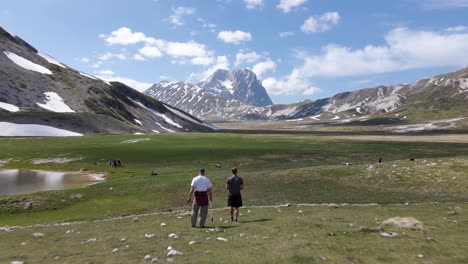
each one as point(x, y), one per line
point(232, 213)
point(237, 213)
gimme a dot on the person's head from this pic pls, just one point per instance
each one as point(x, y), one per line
point(201, 171)
point(234, 171)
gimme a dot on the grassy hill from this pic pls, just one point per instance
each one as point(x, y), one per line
point(278, 169)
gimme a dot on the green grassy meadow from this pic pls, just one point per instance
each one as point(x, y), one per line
point(277, 169)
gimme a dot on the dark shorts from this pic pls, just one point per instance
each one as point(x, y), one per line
point(235, 200)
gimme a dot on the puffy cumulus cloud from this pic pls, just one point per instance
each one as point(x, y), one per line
point(405, 49)
point(155, 48)
point(221, 62)
point(320, 24)
point(234, 37)
point(137, 85)
point(185, 49)
point(202, 60)
point(149, 52)
point(178, 14)
point(294, 83)
point(286, 34)
point(254, 4)
point(246, 57)
point(138, 57)
point(287, 5)
point(123, 36)
point(262, 67)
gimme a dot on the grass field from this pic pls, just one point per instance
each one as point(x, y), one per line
point(277, 169)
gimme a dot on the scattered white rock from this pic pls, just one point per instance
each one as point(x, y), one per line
point(89, 240)
point(389, 234)
point(173, 235)
point(174, 252)
point(17, 262)
point(404, 222)
point(241, 235)
point(116, 250)
point(135, 219)
point(147, 257)
point(221, 239)
point(192, 242)
point(420, 256)
point(169, 248)
point(123, 239)
point(163, 224)
point(38, 235)
point(70, 231)
point(300, 211)
point(23, 243)
point(156, 260)
point(149, 235)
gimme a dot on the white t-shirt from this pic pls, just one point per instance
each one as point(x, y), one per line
point(201, 183)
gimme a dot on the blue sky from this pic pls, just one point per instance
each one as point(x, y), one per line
point(300, 49)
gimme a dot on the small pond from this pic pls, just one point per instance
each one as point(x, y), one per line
point(19, 181)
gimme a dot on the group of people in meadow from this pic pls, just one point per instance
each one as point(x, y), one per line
point(201, 195)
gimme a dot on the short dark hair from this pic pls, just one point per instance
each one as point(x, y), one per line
point(234, 170)
point(201, 170)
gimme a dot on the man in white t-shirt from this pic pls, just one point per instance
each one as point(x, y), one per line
point(201, 190)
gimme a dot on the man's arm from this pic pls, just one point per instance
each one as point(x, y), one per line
point(242, 186)
point(210, 194)
point(189, 199)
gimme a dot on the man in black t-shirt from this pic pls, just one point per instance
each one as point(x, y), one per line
point(234, 185)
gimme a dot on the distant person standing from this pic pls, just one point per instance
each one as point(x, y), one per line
point(234, 185)
point(380, 159)
point(201, 190)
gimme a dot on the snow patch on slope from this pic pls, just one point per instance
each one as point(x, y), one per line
point(55, 103)
point(9, 107)
point(89, 76)
point(26, 64)
point(31, 130)
point(228, 85)
point(177, 112)
point(166, 119)
point(50, 59)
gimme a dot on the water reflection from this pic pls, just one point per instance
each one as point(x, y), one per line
point(19, 181)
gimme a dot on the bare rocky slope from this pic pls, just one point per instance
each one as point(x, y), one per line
point(37, 89)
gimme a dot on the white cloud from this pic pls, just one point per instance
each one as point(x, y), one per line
point(254, 4)
point(404, 49)
point(177, 17)
point(262, 67)
point(202, 60)
point(109, 55)
point(222, 62)
point(286, 34)
point(84, 60)
point(457, 29)
point(292, 84)
point(150, 52)
point(186, 49)
point(287, 5)
point(234, 37)
point(247, 57)
point(123, 36)
point(105, 72)
point(320, 24)
point(137, 85)
point(138, 57)
point(437, 4)
point(97, 64)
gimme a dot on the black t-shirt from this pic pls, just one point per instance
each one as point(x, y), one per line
point(235, 183)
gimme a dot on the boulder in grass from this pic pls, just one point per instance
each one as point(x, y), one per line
point(173, 236)
point(192, 243)
point(148, 257)
point(222, 239)
point(17, 262)
point(38, 235)
point(174, 252)
point(404, 222)
point(389, 234)
point(116, 250)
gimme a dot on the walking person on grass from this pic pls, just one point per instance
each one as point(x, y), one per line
point(201, 190)
point(234, 185)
